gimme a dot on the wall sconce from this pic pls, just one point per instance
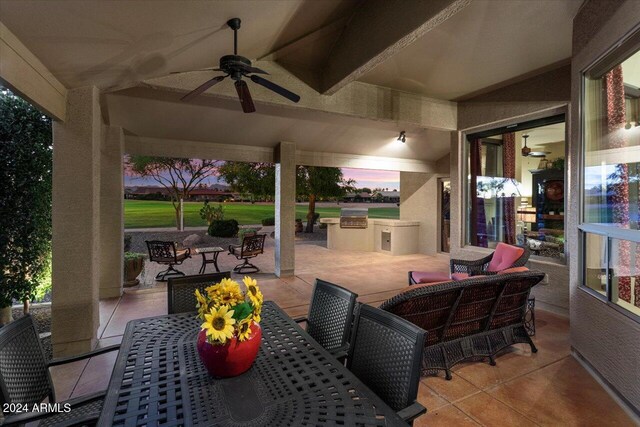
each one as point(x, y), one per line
point(402, 138)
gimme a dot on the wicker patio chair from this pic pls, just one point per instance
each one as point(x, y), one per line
point(181, 290)
point(330, 317)
point(25, 379)
point(467, 319)
point(385, 354)
point(166, 253)
point(252, 246)
point(491, 264)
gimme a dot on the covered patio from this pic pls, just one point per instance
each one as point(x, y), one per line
point(546, 388)
point(438, 90)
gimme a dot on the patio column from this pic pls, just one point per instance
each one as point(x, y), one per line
point(418, 202)
point(285, 157)
point(111, 212)
point(76, 223)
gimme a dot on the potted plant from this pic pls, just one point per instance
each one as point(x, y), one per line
point(133, 266)
point(230, 334)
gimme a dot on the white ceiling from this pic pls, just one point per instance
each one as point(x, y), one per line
point(541, 136)
point(224, 122)
point(486, 43)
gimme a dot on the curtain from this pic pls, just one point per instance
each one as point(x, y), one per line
point(509, 171)
point(478, 220)
point(618, 182)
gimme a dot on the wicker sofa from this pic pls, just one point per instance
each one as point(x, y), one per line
point(467, 319)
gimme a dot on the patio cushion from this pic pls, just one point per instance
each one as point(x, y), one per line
point(514, 270)
point(504, 257)
point(429, 276)
point(182, 254)
point(460, 276)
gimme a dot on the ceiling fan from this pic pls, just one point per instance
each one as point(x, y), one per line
point(236, 67)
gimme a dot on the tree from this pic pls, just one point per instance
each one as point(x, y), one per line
point(25, 200)
point(311, 182)
point(316, 183)
point(178, 175)
point(257, 179)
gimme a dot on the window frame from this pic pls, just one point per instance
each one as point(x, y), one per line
point(532, 121)
point(615, 55)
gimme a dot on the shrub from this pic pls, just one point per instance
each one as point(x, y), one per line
point(244, 231)
point(223, 228)
point(25, 199)
point(316, 216)
point(212, 213)
point(269, 221)
point(323, 225)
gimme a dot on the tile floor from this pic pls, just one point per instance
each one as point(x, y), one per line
point(549, 388)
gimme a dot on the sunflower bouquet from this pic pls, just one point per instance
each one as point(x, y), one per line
point(227, 311)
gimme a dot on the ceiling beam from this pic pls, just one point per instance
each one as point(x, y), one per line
point(23, 73)
point(378, 30)
point(358, 99)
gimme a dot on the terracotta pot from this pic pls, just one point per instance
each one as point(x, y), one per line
point(132, 269)
point(232, 358)
point(5, 315)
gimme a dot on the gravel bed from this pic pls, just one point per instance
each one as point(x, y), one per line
point(42, 317)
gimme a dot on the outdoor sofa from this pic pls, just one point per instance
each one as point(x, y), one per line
point(467, 319)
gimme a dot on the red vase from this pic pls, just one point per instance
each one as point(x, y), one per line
point(231, 358)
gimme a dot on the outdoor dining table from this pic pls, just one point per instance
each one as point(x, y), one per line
point(158, 379)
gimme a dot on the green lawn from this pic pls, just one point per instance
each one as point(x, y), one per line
point(148, 214)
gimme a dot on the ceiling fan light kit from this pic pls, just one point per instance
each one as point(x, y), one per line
point(236, 67)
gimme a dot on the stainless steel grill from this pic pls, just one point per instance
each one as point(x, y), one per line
point(354, 218)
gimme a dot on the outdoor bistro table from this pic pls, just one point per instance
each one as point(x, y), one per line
point(158, 379)
point(204, 251)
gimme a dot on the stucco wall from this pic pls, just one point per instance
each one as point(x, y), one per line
point(419, 201)
point(522, 101)
point(608, 340)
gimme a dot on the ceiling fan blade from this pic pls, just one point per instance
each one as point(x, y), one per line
point(248, 69)
point(276, 88)
point(203, 87)
point(245, 97)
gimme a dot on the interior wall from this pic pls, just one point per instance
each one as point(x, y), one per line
point(540, 96)
point(608, 340)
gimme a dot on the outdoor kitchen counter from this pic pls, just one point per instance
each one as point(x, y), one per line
point(390, 236)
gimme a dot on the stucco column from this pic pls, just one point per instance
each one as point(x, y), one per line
point(76, 224)
point(111, 212)
point(285, 157)
point(418, 202)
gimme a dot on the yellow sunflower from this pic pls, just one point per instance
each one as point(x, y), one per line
point(229, 293)
point(212, 291)
point(257, 308)
point(244, 329)
point(253, 291)
point(202, 305)
point(219, 324)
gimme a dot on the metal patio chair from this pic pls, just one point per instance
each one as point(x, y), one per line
point(386, 354)
point(252, 246)
point(330, 317)
point(25, 379)
point(180, 290)
point(166, 253)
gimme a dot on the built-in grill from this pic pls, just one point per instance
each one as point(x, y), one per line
point(354, 218)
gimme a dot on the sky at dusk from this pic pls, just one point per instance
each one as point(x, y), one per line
point(363, 177)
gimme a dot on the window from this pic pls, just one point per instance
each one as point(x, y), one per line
point(516, 187)
point(611, 183)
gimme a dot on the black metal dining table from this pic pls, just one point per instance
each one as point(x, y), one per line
point(159, 380)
